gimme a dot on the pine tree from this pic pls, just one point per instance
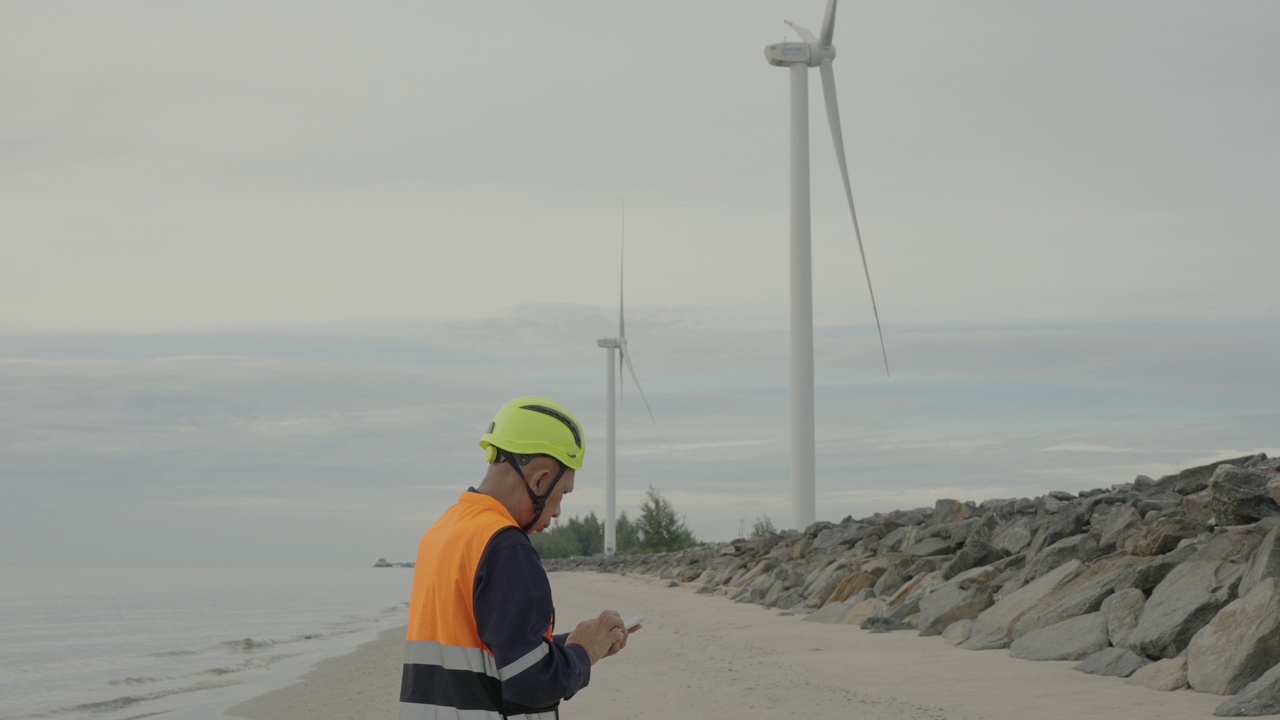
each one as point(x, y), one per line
point(659, 528)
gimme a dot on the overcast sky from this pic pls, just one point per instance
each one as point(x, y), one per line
point(269, 269)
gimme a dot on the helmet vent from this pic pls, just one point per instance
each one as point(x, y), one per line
point(573, 427)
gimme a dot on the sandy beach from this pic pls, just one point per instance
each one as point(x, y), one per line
point(703, 656)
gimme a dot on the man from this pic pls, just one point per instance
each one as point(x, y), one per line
point(480, 643)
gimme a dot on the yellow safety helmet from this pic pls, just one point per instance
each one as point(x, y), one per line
point(535, 426)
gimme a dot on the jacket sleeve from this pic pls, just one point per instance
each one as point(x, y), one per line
point(513, 609)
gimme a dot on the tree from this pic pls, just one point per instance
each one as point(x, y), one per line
point(591, 535)
point(659, 528)
point(573, 538)
point(626, 535)
point(762, 527)
point(555, 542)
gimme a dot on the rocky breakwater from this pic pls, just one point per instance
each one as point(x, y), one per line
point(1170, 583)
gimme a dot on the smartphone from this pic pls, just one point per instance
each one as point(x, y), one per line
point(633, 621)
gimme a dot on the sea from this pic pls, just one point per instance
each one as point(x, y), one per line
point(178, 643)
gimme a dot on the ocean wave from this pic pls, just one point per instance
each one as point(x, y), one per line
point(124, 701)
point(250, 644)
point(173, 653)
point(254, 663)
point(241, 645)
point(136, 681)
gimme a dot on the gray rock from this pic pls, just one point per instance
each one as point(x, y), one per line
point(762, 567)
point(864, 609)
point(1196, 507)
point(998, 507)
point(1260, 697)
point(906, 601)
point(789, 600)
point(947, 511)
point(975, 553)
point(893, 578)
point(1115, 526)
point(959, 532)
point(1123, 610)
point(832, 613)
point(963, 598)
point(1195, 479)
point(1081, 547)
point(1112, 662)
point(992, 626)
point(957, 632)
point(1068, 520)
point(837, 536)
point(1179, 606)
point(929, 547)
point(1160, 566)
point(1082, 595)
point(1101, 502)
point(910, 517)
point(1014, 536)
point(1240, 497)
point(882, 624)
point(1165, 675)
point(1264, 563)
point(1240, 644)
point(1073, 639)
point(1236, 543)
point(1159, 535)
point(853, 584)
point(1158, 502)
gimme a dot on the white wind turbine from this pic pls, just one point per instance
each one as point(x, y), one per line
point(615, 345)
point(799, 57)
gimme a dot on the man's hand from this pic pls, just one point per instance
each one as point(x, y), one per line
point(601, 637)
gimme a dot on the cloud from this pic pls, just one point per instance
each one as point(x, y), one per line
point(299, 432)
point(1087, 448)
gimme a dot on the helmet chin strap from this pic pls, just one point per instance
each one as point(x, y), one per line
point(539, 501)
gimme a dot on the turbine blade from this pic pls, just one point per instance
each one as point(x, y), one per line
point(622, 324)
point(622, 266)
point(803, 32)
point(828, 24)
point(837, 137)
point(626, 357)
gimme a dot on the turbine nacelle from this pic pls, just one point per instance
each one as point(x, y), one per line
point(798, 53)
point(608, 343)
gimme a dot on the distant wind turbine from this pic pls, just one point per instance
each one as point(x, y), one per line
point(616, 345)
point(799, 57)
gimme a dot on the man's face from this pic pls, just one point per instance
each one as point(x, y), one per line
point(551, 510)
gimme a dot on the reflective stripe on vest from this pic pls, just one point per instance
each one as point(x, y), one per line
point(416, 711)
point(448, 671)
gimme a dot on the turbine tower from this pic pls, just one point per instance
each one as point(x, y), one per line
point(798, 57)
point(615, 346)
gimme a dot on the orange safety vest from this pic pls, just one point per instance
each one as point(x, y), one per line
point(448, 671)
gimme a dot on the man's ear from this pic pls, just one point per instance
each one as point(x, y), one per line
point(539, 479)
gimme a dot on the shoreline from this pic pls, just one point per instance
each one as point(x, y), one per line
point(359, 683)
point(705, 656)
